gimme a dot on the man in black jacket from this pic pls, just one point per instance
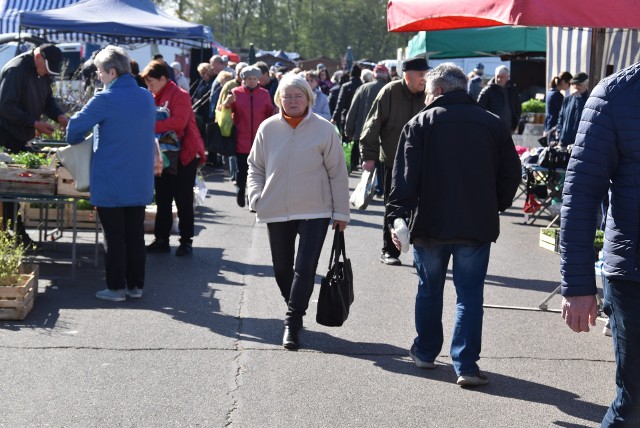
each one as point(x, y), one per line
point(501, 98)
point(25, 95)
point(339, 115)
point(455, 169)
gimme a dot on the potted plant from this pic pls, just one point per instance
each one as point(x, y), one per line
point(550, 239)
point(18, 281)
point(534, 110)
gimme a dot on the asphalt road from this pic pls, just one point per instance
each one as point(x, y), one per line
point(203, 346)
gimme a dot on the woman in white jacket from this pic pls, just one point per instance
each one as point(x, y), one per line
point(297, 183)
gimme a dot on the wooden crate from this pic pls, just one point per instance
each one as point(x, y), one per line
point(32, 216)
point(17, 180)
point(551, 243)
point(67, 185)
point(85, 219)
point(16, 302)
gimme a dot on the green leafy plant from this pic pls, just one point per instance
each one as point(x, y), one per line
point(29, 160)
point(11, 254)
point(533, 106)
point(84, 204)
point(598, 242)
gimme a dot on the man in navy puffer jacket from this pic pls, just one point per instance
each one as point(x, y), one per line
point(606, 157)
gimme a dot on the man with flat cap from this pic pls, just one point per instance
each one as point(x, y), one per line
point(25, 95)
point(571, 110)
point(396, 103)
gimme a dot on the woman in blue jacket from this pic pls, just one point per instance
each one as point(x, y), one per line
point(554, 99)
point(122, 117)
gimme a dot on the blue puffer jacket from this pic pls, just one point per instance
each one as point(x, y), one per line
point(122, 164)
point(606, 156)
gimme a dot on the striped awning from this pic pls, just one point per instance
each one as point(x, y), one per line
point(569, 49)
point(10, 12)
point(10, 23)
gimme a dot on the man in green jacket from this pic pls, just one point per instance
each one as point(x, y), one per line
point(394, 106)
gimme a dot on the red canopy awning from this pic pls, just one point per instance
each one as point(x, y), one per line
point(417, 15)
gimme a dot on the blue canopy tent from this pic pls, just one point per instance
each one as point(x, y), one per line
point(119, 21)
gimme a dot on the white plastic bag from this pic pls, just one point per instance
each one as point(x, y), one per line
point(402, 232)
point(77, 159)
point(364, 191)
point(199, 190)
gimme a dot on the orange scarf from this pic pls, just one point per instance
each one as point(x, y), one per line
point(293, 121)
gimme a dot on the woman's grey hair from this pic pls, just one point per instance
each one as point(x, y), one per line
point(113, 57)
point(447, 76)
point(296, 81)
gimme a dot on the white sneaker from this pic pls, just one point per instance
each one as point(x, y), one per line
point(111, 295)
point(134, 293)
point(419, 363)
point(607, 329)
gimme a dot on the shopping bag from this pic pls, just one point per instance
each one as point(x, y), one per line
point(346, 148)
point(199, 190)
point(217, 143)
point(224, 121)
point(336, 289)
point(77, 159)
point(364, 191)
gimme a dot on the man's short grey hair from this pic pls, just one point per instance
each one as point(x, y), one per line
point(113, 57)
point(447, 76)
point(501, 69)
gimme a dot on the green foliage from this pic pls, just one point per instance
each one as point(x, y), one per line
point(533, 106)
point(308, 27)
point(29, 160)
point(597, 243)
point(84, 204)
point(11, 254)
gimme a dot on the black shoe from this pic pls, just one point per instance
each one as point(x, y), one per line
point(388, 259)
point(159, 246)
point(290, 339)
point(184, 250)
point(240, 198)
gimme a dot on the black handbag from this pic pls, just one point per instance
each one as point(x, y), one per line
point(336, 289)
point(217, 143)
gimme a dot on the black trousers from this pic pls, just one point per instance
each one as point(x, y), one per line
point(177, 187)
point(125, 254)
point(296, 278)
point(387, 242)
point(243, 170)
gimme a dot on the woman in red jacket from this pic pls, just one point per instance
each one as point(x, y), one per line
point(173, 185)
point(250, 105)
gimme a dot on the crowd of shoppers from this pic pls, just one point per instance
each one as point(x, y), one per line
point(429, 137)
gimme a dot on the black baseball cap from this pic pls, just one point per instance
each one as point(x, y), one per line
point(52, 57)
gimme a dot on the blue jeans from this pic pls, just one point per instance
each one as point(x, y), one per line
point(622, 304)
point(296, 278)
point(469, 271)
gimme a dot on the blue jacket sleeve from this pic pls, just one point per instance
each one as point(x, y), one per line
point(93, 113)
point(594, 160)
